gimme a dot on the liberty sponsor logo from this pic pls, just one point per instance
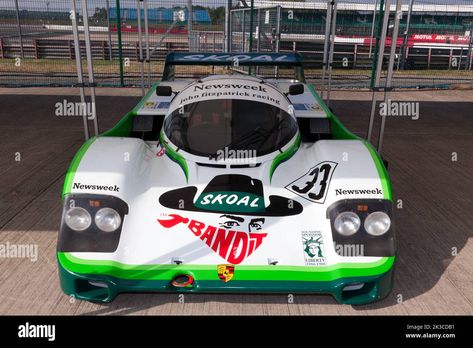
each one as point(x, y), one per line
point(231, 201)
point(37, 331)
point(79, 186)
point(225, 272)
point(229, 240)
point(313, 245)
point(313, 185)
point(375, 191)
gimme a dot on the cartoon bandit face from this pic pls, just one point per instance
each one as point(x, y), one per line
point(232, 237)
point(229, 215)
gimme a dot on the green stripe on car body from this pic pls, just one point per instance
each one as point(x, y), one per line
point(383, 174)
point(285, 155)
point(209, 272)
point(125, 125)
point(176, 157)
point(66, 189)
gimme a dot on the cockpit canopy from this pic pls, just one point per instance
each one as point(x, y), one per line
point(218, 114)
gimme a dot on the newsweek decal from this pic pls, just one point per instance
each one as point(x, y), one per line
point(314, 184)
point(236, 89)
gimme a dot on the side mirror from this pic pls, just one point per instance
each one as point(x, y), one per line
point(296, 89)
point(164, 91)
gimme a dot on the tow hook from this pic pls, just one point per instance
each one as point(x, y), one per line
point(183, 281)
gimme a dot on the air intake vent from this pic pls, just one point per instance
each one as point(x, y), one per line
point(221, 166)
point(253, 165)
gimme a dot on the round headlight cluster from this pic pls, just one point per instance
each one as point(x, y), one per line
point(377, 223)
point(107, 219)
point(347, 223)
point(78, 219)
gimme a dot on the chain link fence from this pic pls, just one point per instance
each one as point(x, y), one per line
point(434, 48)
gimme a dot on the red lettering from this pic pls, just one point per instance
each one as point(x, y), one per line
point(240, 238)
point(196, 227)
point(208, 235)
point(175, 219)
point(222, 242)
point(258, 238)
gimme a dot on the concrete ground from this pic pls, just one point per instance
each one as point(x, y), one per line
point(434, 224)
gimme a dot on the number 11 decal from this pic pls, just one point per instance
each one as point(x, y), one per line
point(314, 184)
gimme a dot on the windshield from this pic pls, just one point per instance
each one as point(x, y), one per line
point(204, 128)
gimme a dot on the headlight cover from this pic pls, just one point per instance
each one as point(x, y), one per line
point(104, 228)
point(78, 219)
point(107, 219)
point(375, 234)
point(377, 223)
point(347, 223)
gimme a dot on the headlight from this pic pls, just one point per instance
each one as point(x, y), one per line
point(377, 223)
point(347, 223)
point(78, 219)
point(107, 219)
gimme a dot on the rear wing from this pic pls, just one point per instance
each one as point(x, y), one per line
point(237, 60)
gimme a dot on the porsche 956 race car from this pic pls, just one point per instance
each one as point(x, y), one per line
point(237, 180)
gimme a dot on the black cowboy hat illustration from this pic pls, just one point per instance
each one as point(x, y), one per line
point(231, 193)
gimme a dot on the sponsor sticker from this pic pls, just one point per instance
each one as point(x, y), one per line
point(313, 248)
point(149, 105)
point(314, 184)
point(225, 272)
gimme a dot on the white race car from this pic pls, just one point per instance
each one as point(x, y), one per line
point(229, 182)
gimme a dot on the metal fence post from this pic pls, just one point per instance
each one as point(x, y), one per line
point(376, 47)
point(379, 64)
point(140, 47)
point(278, 36)
point(332, 48)
point(90, 66)
point(328, 20)
point(120, 48)
point(406, 33)
point(18, 23)
point(228, 31)
point(110, 51)
point(148, 61)
point(243, 31)
point(80, 77)
point(372, 27)
point(258, 39)
point(189, 25)
point(397, 19)
point(252, 7)
point(470, 45)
